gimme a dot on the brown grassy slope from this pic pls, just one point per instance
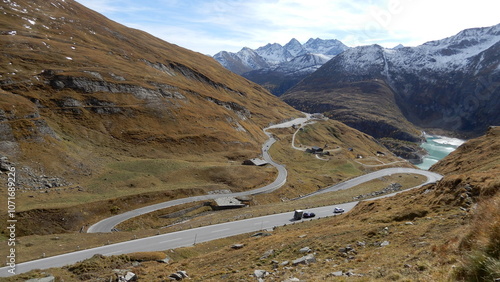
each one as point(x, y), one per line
point(89, 87)
point(416, 252)
point(454, 227)
point(95, 82)
point(306, 173)
point(476, 155)
point(475, 167)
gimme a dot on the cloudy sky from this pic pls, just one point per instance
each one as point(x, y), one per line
point(210, 26)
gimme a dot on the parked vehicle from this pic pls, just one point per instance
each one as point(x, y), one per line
point(338, 210)
point(308, 215)
point(297, 215)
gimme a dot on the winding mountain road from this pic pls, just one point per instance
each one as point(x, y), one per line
point(107, 225)
point(207, 233)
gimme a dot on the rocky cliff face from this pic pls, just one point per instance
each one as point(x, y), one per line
point(454, 82)
point(450, 84)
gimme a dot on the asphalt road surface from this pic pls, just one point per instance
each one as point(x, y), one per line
point(173, 240)
point(431, 178)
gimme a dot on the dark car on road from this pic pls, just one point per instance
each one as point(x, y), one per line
point(308, 215)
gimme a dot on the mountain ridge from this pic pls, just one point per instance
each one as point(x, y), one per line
point(277, 67)
point(273, 54)
point(449, 84)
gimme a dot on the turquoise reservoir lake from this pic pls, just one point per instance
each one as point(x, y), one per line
point(437, 148)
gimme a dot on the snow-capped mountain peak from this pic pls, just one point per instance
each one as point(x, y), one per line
point(243, 61)
point(274, 53)
point(327, 47)
point(295, 48)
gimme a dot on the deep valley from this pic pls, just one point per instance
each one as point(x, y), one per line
point(98, 119)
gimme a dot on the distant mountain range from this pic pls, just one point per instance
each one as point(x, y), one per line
point(278, 67)
point(451, 84)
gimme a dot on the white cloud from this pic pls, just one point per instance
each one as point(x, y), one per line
point(209, 26)
point(416, 22)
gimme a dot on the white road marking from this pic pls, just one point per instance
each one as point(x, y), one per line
point(170, 240)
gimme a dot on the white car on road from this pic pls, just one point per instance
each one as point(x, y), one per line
point(338, 210)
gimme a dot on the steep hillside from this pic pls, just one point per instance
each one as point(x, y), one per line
point(476, 155)
point(83, 98)
point(449, 84)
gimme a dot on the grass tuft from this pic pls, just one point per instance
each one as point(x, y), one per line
point(481, 261)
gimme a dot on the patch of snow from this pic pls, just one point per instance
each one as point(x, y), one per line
point(32, 22)
point(24, 11)
point(13, 32)
point(13, 4)
point(69, 58)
